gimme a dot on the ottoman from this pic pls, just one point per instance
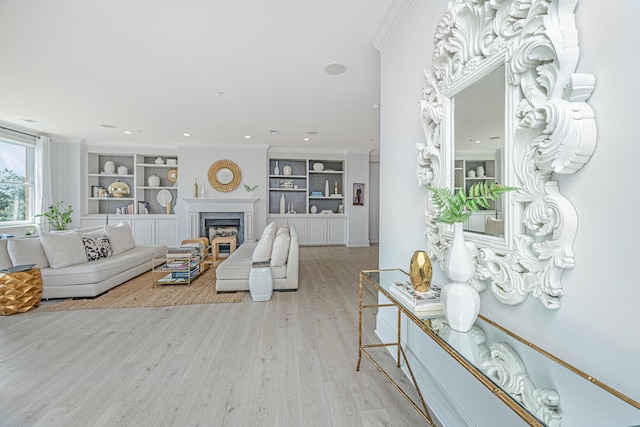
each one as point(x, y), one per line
point(20, 291)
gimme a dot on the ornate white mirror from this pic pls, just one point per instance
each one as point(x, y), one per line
point(548, 129)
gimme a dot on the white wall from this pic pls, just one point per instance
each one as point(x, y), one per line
point(595, 329)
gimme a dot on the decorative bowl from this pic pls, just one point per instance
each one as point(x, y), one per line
point(318, 167)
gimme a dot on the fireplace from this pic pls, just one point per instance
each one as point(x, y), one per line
point(222, 224)
point(223, 215)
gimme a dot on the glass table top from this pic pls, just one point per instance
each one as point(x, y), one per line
point(550, 389)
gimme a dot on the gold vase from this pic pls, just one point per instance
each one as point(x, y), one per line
point(420, 271)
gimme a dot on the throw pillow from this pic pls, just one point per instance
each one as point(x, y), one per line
point(120, 237)
point(27, 251)
point(97, 247)
point(63, 249)
point(262, 252)
point(280, 251)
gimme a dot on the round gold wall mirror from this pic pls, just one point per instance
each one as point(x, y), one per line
point(172, 175)
point(224, 176)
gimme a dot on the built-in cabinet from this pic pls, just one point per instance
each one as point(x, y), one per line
point(471, 171)
point(151, 179)
point(310, 195)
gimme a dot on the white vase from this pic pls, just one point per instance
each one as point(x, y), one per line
point(109, 166)
point(153, 181)
point(282, 204)
point(286, 169)
point(480, 171)
point(460, 300)
point(276, 169)
point(326, 188)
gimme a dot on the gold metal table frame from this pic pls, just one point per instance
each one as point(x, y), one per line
point(366, 277)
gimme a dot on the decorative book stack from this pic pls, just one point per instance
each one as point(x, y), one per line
point(422, 303)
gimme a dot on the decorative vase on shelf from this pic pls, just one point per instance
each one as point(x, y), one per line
point(326, 188)
point(109, 167)
point(283, 204)
point(153, 181)
point(195, 188)
point(480, 172)
point(276, 169)
point(460, 300)
point(122, 170)
point(286, 169)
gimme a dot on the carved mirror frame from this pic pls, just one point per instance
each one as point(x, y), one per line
point(550, 129)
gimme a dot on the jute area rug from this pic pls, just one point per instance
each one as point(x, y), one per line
point(142, 292)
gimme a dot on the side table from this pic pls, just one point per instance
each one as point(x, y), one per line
point(20, 291)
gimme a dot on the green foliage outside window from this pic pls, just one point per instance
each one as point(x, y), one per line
point(12, 196)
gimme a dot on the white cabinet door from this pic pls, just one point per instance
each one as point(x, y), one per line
point(143, 231)
point(167, 232)
point(317, 231)
point(301, 229)
point(336, 231)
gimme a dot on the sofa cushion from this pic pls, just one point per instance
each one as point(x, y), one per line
point(238, 264)
point(5, 260)
point(280, 250)
point(265, 245)
point(104, 269)
point(97, 247)
point(63, 249)
point(120, 237)
point(27, 251)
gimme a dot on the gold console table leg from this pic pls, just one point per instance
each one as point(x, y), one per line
point(423, 411)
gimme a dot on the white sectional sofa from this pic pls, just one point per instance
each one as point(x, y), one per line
point(81, 263)
point(279, 246)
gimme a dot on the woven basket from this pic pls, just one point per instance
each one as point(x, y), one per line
point(20, 292)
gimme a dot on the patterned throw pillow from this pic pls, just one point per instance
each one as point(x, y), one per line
point(97, 247)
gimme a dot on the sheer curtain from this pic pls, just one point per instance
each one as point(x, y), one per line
point(44, 196)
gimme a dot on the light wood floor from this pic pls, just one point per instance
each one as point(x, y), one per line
point(287, 362)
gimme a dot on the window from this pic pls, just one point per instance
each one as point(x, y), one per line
point(17, 189)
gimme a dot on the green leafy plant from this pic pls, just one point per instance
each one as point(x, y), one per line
point(249, 188)
point(459, 206)
point(58, 218)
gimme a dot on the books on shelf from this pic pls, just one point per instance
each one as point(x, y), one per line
point(186, 275)
point(181, 251)
point(420, 302)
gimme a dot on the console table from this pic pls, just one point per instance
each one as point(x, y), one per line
point(511, 384)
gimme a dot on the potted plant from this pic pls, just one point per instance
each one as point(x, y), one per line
point(460, 300)
point(457, 207)
point(58, 218)
point(250, 190)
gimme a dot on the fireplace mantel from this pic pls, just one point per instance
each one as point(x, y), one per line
point(246, 206)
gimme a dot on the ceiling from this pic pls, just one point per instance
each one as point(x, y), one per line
point(218, 70)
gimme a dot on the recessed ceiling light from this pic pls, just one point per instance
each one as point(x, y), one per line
point(128, 132)
point(375, 105)
point(274, 132)
point(477, 141)
point(186, 134)
point(247, 137)
point(105, 125)
point(335, 68)
point(307, 139)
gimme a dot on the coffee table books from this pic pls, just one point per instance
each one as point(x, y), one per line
point(420, 302)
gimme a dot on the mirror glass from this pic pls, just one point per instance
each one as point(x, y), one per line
point(479, 138)
point(225, 176)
